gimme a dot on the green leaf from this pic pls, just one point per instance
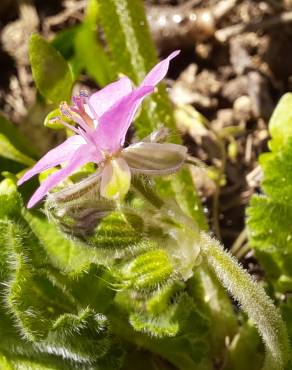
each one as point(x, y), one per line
point(269, 217)
point(10, 202)
point(48, 306)
point(133, 54)
point(89, 50)
point(29, 295)
point(93, 288)
point(68, 255)
point(92, 56)
point(50, 70)
point(85, 335)
point(8, 150)
point(21, 354)
point(36, 303)
point(186, 349)
point(286, 309)
point(270, 235)
point(246, 345)
point(280, 125)
point(64, 41)
point(43, 308)
point(91, 14)
point(220, 310)
point(13, 145)
point(172, 320)
point(277, 168)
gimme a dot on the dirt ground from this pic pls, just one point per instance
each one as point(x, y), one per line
point(234, 66)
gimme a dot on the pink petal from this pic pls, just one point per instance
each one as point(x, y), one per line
point(159, 71)
point(84, 154)
point(114, 123)
point(54, 157)
point(103, 99)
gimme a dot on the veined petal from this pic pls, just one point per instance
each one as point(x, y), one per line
point(155, 158)
point(105, 98)
point(54, 157)
point(84, 154)
point(114, 123)
point(116, 179)
point(158, 72)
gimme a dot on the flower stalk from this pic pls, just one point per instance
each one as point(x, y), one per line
point(253, 300)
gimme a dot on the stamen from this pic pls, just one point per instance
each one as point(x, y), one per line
point(54, 120)
point(78, 107)
point(74, 113)
point(59, 120)
point(83, 94)
point(65, 110)
point(80, 121)
point(87, 119)
point(92, 110)
point(79, 103)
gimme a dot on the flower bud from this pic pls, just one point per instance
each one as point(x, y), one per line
point(78, 208)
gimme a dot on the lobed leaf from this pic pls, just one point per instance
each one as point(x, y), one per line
point(269, 216)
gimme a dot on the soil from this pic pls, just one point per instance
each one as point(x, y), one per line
point(234, 66)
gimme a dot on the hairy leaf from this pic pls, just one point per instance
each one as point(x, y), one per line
point(277, 168)
point(269, 216)
point(188, 345)
point(269, 225)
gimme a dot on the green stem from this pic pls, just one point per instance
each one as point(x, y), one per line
point(236, 246)
point(243, 251)
point(253, 300)
point(145, 189)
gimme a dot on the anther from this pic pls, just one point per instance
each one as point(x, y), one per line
point(54, 119)
point(65, 110)
point(83, 94)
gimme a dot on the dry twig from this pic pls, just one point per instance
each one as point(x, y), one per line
point(225, 34)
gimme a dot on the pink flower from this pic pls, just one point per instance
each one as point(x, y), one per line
point(102, 122)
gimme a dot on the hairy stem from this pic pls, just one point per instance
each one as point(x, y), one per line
point(253, 300)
